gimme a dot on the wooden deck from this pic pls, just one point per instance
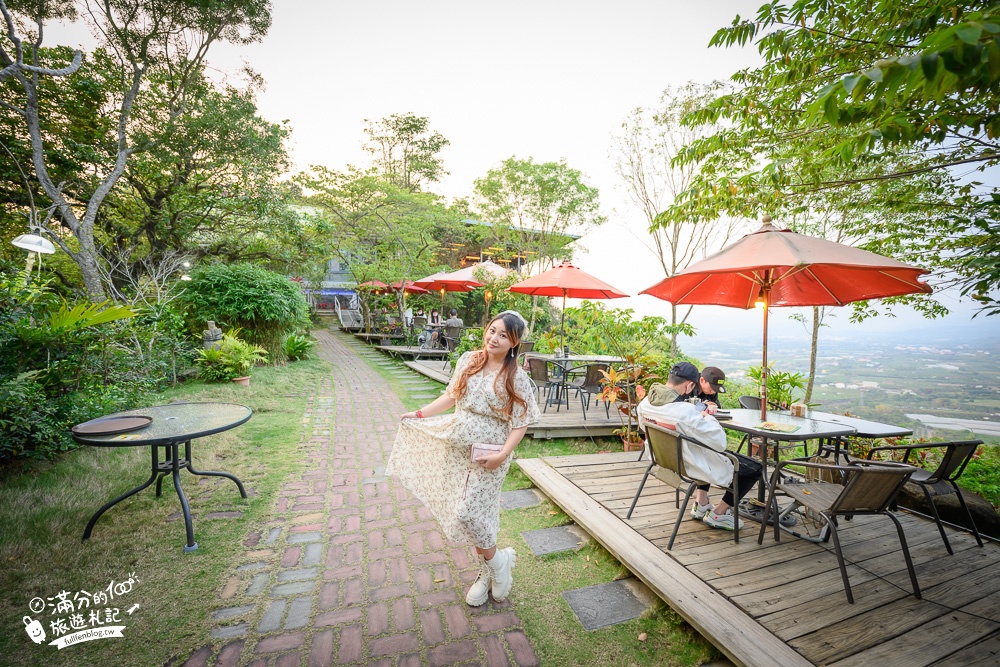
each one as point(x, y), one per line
point(783, 603)
point(400, 351)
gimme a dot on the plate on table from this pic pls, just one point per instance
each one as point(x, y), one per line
point(112, 425)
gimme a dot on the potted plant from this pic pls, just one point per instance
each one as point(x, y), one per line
point(233, 360)
point(623, 387)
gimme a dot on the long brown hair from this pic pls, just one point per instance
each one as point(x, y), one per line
point(515, 327)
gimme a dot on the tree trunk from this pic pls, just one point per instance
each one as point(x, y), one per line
point(812, 354)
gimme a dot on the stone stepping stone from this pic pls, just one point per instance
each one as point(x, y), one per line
point(515, 500)
point(610, 603)
point(554, 540)
point(424, 395)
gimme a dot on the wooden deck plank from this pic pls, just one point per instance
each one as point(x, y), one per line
point(743, 640)
point(984, 653)
point(792, 588)
point(924, 645)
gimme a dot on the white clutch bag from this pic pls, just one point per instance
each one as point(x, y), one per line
point(484, 449)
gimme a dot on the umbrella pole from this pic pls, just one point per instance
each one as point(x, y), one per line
point(562, 325)
point(763, 368)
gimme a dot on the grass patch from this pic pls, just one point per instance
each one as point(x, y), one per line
point(44, 509)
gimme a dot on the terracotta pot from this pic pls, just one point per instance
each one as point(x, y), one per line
point(243, 381)
point(632, 445)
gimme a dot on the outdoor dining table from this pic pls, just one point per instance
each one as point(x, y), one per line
point(863, 428)
point(171, 425)
point(804, 428)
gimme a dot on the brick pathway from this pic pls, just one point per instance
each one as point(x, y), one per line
point(351, 569)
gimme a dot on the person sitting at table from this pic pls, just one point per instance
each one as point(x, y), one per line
point(434, 326)
point(690, 374)
point(711, 383)
point(667, 403)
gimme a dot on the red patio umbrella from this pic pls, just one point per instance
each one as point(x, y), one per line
point(409, 287)
point(783, 268)
point(440, 282)
point(566, 280)
point(374, 285)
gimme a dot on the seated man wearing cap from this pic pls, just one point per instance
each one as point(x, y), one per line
point(667, 402)
point(711, 383)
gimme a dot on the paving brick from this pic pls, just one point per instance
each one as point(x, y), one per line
point(496, 656)
point(387, 592)
point(231, 588)
point(298, 575)
point(378, 619)
point(299, 538)
point(231, 612)
point(321, 650)
point(338, 617)
point(314, 554)
point(449, 654)
point(260, 553)
point(271, 620)
point(284, 642)
point(402, 614)
point(376, 573)
point(457, 621)
point(291, 556)
point(298, 613)
point(430, 557)
point(307, 518)
point(329, 594)
point(293, 588)
point(229, 631)
point(310, 527)
point(524, 655)
point(436, 599)
point(351, 644)
point(394, 644)
point(272, 535)
point(409, 660)
point(431, 626)
point(252, 539)
point(494, 622)
point(199, 658)
point(288, 660)
point(230, 654)
point(353, 590)
point(258, 583)
point(399, 570)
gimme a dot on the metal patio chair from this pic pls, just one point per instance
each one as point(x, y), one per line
point(869, 487)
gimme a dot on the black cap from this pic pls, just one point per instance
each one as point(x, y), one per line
point(686, 370)
point(715, 378)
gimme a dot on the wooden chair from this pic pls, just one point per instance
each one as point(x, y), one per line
point(588, 385)
point(955, 457)
point(869, 487)
point(666, 451)
point(524, 348)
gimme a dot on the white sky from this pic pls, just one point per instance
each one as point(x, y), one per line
point(546, 79)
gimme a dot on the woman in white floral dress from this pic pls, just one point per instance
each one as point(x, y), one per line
point(494, 403)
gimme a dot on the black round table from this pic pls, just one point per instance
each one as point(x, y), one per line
point(171, 425)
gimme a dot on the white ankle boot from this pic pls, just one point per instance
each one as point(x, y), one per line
point(502, 565)
point(480, 591)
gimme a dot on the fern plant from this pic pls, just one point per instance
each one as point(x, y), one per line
point(298, 347)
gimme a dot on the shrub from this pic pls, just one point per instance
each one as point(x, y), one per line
point(297, 347)
point(266, 306)
point(234, 358)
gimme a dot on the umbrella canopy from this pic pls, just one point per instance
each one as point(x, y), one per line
point(376, 285)
point(442, 282)
point(782, 268)
point(468, 273)
point(566, 280)
point(409, 287)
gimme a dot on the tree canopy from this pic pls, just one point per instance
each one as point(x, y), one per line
point(880, 112)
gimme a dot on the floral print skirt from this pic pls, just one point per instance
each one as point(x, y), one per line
point(431, 458)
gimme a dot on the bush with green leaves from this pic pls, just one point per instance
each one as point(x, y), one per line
point(232, 359)
point(472, 339)
point(298, 347)
point(265, 305)
point(64, 363)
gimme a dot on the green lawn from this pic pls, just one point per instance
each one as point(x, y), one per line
point(43, 513)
